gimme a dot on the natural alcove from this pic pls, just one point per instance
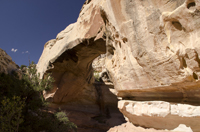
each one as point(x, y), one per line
point(136, 35)
point(76, 91)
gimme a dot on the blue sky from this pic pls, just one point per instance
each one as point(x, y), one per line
point(26, 25)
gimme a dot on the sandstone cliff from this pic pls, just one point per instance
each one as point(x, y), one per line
point(152, 53)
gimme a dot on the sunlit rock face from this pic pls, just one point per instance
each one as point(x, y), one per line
point(161, 115)
point(69, 57)
point(7, 66)
point(153, 49)
point(152, 52)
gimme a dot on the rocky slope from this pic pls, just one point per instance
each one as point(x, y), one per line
point(6, 63)
point(152, 53)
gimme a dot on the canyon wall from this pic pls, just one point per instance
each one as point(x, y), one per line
point(152, 53)
point(7, 66)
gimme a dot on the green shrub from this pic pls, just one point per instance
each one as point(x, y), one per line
point(64, 121)
point(22, 67)
point(11, 114)
point(96, 76)
point(22, 104)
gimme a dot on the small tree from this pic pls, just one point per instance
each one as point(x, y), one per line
point(63, 123)
point(22, 103)
point(35, 86)
point(11, 114)
point(22, 66)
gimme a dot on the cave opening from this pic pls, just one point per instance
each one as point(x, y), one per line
point(191, 5)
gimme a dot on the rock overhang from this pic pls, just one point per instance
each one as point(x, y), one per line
point(151, 50)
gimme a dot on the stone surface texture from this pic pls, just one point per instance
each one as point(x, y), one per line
point(6, 63)
point(152, 49)
point(128, 127)
point(152, 53)
point(99, 63)
point(160, 114)
point(69, 57)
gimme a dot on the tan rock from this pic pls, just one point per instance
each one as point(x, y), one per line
point(152, 53)
point(6, 63)
point(161, 115)
point(99, 63)
point(69, 58)
point(150, 57)
point(128, 127)
point(151, 46)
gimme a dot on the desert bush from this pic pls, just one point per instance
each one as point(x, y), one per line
point(96, 75)
point(11, 114)
point(22, 104)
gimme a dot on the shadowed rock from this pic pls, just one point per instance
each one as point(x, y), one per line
point(7, 66)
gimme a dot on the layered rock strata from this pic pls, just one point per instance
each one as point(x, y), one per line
point(161, 115)
point(152, 52)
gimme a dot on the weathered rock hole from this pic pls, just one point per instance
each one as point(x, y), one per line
point(117, 35)
point(195, 76)
point(177, 25)
point(125, 40)
point(113, 36)
point(104, 77)
point(120, 44)
point(191, 5)
point(197, 58)
point(184, 63)
point(110, 51)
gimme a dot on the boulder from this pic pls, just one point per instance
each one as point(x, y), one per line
point(161, 115)
point(129, 127)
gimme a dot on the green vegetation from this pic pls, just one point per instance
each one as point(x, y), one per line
point(97, 76)
point(22, 106)
point(22, 66)
point(11, 114)
point(63, 119)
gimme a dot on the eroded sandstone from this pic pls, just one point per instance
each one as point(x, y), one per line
point(161, 115)
point(152, 53)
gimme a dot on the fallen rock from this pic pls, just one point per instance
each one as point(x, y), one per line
point(160, 114)
point(129, 127)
